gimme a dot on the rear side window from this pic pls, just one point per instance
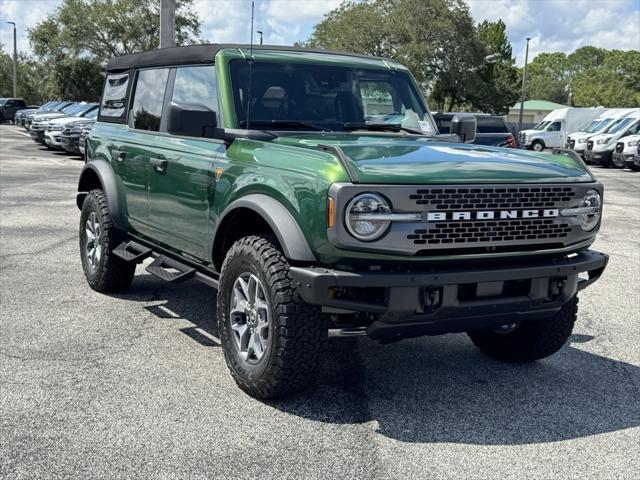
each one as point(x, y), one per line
point(148, 99)
point(196, 85)
point(114, 98)
point(491, 125)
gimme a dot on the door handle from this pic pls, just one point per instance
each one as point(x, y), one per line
point(160, 164)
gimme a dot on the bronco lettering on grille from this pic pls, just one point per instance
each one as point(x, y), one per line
point(492, 214)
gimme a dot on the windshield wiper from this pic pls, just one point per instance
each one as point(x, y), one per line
point(380, 127)
point(284, 123)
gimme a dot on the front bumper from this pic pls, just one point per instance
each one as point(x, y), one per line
point(37, 135)
point(454, 300)
point(70, 143)
point(52, 138)
point(598, 157)
point(621, 160)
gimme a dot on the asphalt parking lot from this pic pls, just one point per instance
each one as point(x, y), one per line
point(134, 385)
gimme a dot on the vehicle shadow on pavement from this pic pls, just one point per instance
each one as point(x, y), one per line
point(442, 390)
point(437, 389)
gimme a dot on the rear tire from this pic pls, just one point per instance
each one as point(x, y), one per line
point(98, 238)
point(271, 338)
point(529, 341)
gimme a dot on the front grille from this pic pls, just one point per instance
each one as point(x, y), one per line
point(490, 231)
point(590, 145)
point(488, 198)
point(619, 147)
point(572, 144)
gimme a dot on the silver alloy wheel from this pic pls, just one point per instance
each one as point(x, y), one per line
point(537, 147)
point(250, 317)
point(93, 249)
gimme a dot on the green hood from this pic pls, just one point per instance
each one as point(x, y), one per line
point(402, 160)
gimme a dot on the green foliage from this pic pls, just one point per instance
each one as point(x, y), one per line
point(597, 76)
point(445, 53)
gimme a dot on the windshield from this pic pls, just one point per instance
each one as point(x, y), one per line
point(3, 101)
point(307, 96)
point(621, 125)
point(588, 126)
point(542, 125)
point(80, 112)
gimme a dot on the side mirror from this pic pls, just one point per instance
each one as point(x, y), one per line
point(464, 126)
point(191, 120)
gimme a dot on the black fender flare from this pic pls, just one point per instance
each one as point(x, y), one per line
point(292, 240)
point(107, 178)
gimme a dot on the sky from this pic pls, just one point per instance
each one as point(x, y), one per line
point(553, 25)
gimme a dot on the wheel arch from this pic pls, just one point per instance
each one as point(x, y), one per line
point(259, 213)
point(99, 174)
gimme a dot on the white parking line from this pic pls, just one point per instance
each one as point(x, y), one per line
point(19, 132)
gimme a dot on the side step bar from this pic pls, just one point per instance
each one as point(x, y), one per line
point(164, 266)
point(132, 252)
point(170, 270)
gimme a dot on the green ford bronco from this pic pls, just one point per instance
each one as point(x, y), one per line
point(313, 191)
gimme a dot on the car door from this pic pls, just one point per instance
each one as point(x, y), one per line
point(554, 135)
point(132, 151)
point(181, 182)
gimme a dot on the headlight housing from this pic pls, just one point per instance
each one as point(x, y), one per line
point(591, 208)
point(582, 140)
point(633, 143)
point(602, 141)
point(360, 216)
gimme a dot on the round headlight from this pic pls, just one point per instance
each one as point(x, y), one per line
point(592, 201)
point(360, 216)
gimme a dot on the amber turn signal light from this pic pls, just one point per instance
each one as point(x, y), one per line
point(331, 213)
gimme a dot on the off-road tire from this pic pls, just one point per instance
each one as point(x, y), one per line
point(537, 144)
point(297, 331)
point(530, 341)
point(112, 274)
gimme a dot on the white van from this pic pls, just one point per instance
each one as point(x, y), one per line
point(600, 147)
point(577, 141)
point(553, 130)
point(625, 152)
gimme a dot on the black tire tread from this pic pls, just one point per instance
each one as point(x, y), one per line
point(115, 274)
point(532, 340)
point(299, 330)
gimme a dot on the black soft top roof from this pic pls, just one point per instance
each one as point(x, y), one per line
point(195, 54)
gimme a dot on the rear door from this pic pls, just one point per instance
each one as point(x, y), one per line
point(132, 154)
point(181, 181)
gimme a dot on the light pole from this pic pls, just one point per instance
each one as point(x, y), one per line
point(524, 81)
point(167, 23)
point(15, 62)
point(259, 32)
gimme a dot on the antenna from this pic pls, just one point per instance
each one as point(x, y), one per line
point(250, 68)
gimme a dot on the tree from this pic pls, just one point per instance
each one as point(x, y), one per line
point(435, 39)
point(101, 29)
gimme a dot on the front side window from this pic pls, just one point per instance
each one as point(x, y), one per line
point(491, 125)
point(554, 127)
point(327, 96)
point(148, 99)
point(196, 85)
point(114, 97)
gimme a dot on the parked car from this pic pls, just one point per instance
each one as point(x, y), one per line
point(625, 152)
point(491, 129)
point(600, 148)
point(553, 130)
point(54, 128)
point(41, 121)
point(636, 158)
point(49, 108)
point(82, 141)
point(9, 107)
point(577, 141)
point(323, 198)
point(72, 132)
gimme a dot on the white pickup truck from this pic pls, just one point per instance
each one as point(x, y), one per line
point(553, 130)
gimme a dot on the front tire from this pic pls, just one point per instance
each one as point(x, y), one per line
point(537, 146)
point(271, 338)
point(529, 341)
point(98, 238)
